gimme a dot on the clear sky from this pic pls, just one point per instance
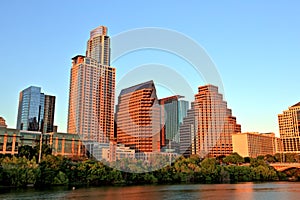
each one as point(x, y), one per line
point(255, 46)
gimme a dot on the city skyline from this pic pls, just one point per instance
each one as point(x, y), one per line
point(254, 53)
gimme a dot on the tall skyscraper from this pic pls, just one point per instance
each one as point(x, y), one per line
point(98, 46)
point(173, 111)
point(214, 124)
point(49, 107)
point(138, 118)
point(32, 107)
point(289, 129)
point(92, 88)
point(187, 133)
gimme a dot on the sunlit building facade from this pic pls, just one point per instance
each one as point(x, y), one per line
point(215, 122)
point(138, 118)
point(92, 88)
point(253, 144)
point(36, 110)
point(289, 129)
point(2, 122)
point(209, 133)
point(63, 144)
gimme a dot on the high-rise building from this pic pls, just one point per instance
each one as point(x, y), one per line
point(214, 124)
point(49, 107)
point(98, 46)
point(289, 129)
point(254, 144)
point(2, 122)
point(138, 118)
point(187, 133)
point(32, 107)
point(92, 88)
point(173, 111)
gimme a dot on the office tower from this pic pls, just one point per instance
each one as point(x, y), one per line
point(32, 108)
point(49, 107)
point(254, 144)
point(98, 46)
point(92, 87)
point(214, 124)
point(173, 111)
point(138, 118)
point(187, 133)
point(289, 129)
point(2, 122)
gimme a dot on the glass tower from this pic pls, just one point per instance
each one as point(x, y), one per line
point(31, 110)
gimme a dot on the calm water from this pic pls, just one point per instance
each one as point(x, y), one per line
point(244, 191)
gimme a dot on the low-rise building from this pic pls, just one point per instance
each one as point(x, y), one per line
point(253, 144)
point(63, 144)
point(2, 122)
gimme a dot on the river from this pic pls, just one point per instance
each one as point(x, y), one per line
point(243, 191)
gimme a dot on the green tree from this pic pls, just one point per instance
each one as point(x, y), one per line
point(233, 158)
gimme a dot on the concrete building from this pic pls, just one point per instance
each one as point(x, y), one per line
point(36, 110)
point(138, 118)
point(63, 144)
point(255, 144)
point(209, 125)
point(92, 90)
point(2, 122)
point(187, 132)
point(289, 129)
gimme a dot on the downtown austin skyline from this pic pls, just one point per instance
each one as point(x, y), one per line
point(255, 48)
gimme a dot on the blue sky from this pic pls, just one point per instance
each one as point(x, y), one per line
point(255, 46)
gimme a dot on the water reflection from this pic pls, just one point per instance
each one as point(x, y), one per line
point(244, 191)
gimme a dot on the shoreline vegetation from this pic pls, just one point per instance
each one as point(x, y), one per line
point(23, 171)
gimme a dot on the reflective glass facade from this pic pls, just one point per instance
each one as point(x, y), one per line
point(31, 110)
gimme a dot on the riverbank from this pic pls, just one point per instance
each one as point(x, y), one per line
point(60, 171)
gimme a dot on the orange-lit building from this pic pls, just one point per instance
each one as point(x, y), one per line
point(255, 144)
point(209, 125)
point(66, 144)
point(289, 129)
point(63, 144)
point(215, 122)
point(138, 118)
point(92, 88)
point(2, 122)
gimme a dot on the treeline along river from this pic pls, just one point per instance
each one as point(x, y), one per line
point(22, 171)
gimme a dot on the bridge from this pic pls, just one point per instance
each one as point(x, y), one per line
point(285, 166)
